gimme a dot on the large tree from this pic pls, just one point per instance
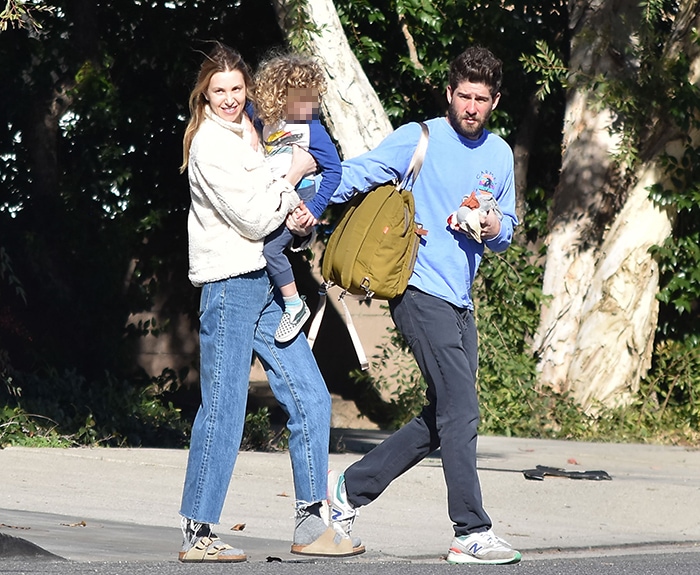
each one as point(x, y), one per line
point(93, 209)
point(352, 111)
point(598, 327)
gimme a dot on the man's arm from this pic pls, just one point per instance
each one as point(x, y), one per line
point(387, 162)
point(498, 236)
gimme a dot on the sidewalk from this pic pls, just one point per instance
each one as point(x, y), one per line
point(122, 504)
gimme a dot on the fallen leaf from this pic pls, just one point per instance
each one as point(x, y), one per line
point(79, 524)
point(283, 494)
point(12, 526)
point(572, 461)
point(238, 527)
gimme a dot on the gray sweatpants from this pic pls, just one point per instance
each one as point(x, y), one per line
point(443, 339)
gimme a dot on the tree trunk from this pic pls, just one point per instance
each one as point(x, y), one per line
point(597, 331)
point(352, 111)
point(621, 300)
point(524, 143)
point(617, 321)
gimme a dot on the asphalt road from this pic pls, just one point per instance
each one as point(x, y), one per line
point(682, 560)
point(113, 511)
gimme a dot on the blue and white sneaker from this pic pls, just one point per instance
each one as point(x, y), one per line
point(342, 513)
point(483, 548)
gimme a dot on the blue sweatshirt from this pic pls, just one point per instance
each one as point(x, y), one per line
point(454, 166)
point(323, 150)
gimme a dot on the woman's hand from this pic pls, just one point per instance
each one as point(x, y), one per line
point(303, 163)
point(304, 216)
point(296, 227)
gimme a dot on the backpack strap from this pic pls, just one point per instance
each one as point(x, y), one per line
point(316, 324)
point(318, 316)
point(417, 159)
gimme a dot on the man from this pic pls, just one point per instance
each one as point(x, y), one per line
point(435, 314)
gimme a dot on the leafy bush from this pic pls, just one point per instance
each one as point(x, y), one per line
point(258, 434)
point(109, 411)
point(29, 430)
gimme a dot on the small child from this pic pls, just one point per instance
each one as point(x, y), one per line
point(287, 91)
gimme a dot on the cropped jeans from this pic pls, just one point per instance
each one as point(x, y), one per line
point(238, 317)
point(443, 339)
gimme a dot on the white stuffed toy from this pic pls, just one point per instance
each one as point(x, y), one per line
point(467, 218)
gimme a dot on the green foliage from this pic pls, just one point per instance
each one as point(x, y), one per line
point(258, 434)
point(669, 405)
point(22, 14)
point(405, 47)
point(548, 67)
point(678, 259)
point(93, 210)
point(507, 297)
point(679, 256)
point(298, 25)
point(19, 428)
point(106, 410)
point(394, 373)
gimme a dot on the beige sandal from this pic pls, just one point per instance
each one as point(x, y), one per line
point(211, 549)
point(329, 544)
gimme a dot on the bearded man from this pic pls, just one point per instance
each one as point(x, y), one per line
point(435, 314)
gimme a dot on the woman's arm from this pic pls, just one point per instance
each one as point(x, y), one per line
point(302, 164)
point(228, 177)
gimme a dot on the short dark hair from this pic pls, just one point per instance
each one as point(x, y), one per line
point(478, 65)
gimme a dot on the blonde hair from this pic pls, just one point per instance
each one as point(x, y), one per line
point(279, 73)
point(220, 59)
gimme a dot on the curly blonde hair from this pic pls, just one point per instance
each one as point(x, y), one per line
point(279, 73)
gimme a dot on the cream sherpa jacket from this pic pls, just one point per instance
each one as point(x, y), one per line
point(235, 202)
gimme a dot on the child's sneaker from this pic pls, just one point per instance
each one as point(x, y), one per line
point(482, 548)
point(290, 325)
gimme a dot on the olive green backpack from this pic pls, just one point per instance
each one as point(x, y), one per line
point(373, 248)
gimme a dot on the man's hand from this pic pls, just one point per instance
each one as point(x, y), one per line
point(490, 225)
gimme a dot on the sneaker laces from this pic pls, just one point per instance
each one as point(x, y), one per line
point(493, 539)
point(342, 513)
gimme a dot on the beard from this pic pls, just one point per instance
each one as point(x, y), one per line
point(469, 131)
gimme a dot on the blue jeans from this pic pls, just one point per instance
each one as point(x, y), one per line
point(238, 317)
point(443, 340)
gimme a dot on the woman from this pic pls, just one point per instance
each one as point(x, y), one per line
point(235, 203)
